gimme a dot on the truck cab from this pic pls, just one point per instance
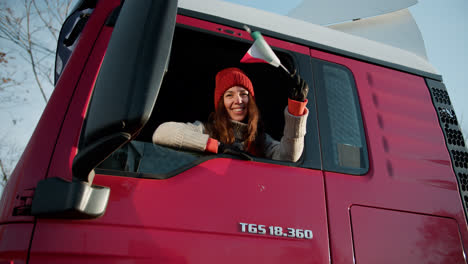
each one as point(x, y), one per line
point(382, 179)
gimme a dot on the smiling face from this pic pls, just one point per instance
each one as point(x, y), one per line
point(236, 100)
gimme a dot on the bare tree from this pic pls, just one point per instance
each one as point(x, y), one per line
point(9, 154)
point(29, 31)
point(33, 27)
point(5, 80)
point(4, 174)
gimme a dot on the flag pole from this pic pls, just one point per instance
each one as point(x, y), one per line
point(284, 68)
point(247, 29)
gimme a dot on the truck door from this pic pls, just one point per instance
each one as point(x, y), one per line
point(391, 192)
point(175, 206)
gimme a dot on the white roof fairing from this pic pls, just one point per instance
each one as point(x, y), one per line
point(309, 32)
point(397, 29)
point(337, 11)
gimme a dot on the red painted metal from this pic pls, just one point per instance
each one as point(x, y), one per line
point(404, 237)
point(241, 34)
point(200, 208)
point(410, 168)
point(34, 162)
point(14, 242)
point(67, 144)
point(16, 231)
point(195, 216)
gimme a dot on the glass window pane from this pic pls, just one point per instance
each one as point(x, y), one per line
point(342, 133)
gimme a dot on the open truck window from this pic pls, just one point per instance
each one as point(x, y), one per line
point(187, 95)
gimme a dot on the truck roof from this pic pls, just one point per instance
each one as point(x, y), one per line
point(312, 35)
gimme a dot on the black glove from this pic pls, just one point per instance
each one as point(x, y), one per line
point(228, 149)
point(233, 150)
point(298, 88)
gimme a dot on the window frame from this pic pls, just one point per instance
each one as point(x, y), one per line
point(324, 123)
point(74, 23)
point(311, 154)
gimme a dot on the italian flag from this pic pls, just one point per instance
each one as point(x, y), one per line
point(261, 52)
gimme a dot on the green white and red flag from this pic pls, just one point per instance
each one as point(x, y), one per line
point(261, 52)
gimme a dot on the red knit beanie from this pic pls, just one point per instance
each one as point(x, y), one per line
point(228, 78)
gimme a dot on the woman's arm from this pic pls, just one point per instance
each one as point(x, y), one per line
point(291, 145)
point(295, 116)
point(188, 136)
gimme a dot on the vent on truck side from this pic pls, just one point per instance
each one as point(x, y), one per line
point(453, 137)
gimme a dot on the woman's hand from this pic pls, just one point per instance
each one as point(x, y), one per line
point(228, 149)
point(233, 150)
point(298, 88)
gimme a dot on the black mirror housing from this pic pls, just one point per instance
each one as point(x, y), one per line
point(128, 83)
point(123, 99)
point(58, 198)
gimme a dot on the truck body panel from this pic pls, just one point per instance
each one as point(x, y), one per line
point(376, 182)
point(218, 195)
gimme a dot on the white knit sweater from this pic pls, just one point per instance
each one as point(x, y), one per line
point(192, 136)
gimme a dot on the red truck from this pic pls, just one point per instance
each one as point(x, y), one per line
point(383, 177)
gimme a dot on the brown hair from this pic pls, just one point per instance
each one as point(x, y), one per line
point(219, 127)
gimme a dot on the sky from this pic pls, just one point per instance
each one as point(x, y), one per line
point(443, 25)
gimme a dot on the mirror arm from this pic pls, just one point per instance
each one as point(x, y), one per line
point(92, 155)
point(78, 199)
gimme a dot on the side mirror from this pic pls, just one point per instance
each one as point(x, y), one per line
point(128, 83)
point(123, 99)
